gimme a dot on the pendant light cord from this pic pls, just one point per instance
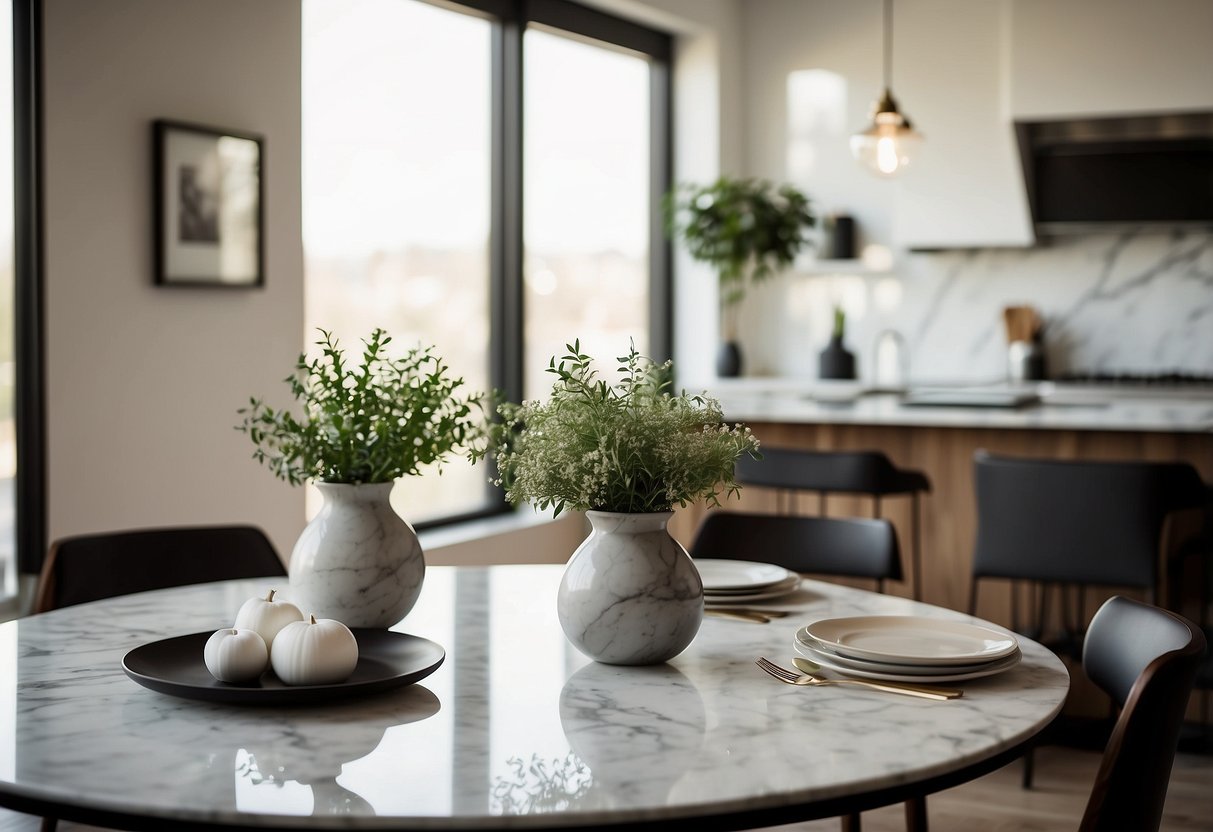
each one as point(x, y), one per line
point(888, 44)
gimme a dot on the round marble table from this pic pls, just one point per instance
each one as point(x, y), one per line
point(517, 730)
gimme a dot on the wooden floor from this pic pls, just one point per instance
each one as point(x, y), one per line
point(995, 803)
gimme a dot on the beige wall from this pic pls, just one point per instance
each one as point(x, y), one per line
point(143, 383)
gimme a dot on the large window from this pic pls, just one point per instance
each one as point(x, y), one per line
point(483, 176)
point(22, 498)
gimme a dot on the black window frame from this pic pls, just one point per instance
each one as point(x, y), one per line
point(507, 307)
point(29, 329)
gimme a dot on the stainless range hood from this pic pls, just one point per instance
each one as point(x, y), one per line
point(1098, 174)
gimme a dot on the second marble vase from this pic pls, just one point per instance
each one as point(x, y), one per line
point(357, 561)
point(630, 595)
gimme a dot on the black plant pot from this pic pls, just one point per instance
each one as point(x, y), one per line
point(728, 360)
point(836, 361)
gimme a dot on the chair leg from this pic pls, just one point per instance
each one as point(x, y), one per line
point(1029, 768)
point(916, 544)
point(916, 814)
point(850, 823)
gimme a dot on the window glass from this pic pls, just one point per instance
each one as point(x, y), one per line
point(586, 196)
point(8, 437)
point(396, 195)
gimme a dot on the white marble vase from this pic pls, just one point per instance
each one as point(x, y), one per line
point(630, 595)
point(357, 561)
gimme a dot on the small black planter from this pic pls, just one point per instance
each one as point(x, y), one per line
point(836, 361)
point(728, 360)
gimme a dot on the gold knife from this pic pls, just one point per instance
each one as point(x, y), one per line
point(739, 615)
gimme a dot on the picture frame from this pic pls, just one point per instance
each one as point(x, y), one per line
point(209, 206)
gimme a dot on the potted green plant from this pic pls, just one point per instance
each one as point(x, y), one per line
point(747, 230)
point(625, 453)
point(362, 425)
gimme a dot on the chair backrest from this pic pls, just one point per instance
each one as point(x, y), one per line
point(1079, 522)
point(855, 472)
point(819, 545)
point(1145, 659)
point(92, 567)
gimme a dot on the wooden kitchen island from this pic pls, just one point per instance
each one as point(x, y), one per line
point(941, 442)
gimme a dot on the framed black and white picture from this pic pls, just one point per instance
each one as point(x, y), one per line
point(209, 206)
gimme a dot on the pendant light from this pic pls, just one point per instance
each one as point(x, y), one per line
point(890, 142)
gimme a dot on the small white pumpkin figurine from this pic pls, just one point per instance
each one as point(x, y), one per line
point(314, 652)
point(234, 655)
point(267, 617)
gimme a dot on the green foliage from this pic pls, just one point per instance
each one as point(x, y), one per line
point(631, 447)
point(747, 229)
point(840, 322)
point(383, 419)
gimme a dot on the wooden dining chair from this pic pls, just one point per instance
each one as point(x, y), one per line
point(1146, 659)
point(857, 548)
point(869, 473)
point(95, 566)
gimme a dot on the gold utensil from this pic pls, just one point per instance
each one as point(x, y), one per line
point(792, 677)
point(757, 610)
point(753, 617)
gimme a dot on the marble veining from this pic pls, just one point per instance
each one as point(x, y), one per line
point(630, 594)
point(357, 561)
point(1139, 301)
point(516, 730)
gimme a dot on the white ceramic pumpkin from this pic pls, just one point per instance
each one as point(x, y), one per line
point(314, 652)
point(235, 655)
point(267, 617)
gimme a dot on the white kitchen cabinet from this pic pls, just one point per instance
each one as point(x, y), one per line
point(1109, 57)
point(966, 189)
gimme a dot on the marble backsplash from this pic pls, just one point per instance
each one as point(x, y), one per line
point(1139, 302)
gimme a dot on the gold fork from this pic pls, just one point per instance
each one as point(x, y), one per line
point(791, 677)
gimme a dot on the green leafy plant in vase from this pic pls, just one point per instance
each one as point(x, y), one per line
point(363, 424)
point(748, 230)
point(625, 453)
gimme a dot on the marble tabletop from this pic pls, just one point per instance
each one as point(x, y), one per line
point(516, 730)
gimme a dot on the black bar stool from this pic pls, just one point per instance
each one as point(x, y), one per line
point(1072, 524)
point(868, 473)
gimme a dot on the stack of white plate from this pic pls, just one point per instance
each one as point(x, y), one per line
point(902, 648)
point(743, 581)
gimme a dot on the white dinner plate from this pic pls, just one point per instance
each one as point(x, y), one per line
point(791, 581)
point(741, 575)
point(948, 674)
point(809, 651)
point(778, 591)
point(907, 639)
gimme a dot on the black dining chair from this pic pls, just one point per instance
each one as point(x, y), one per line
point(95, 566)
point(852, 547)
point(857, 548)
point(869, 473)
point(1145, 659)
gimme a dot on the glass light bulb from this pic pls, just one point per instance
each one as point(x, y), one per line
point(888, 145)
point(887, 161)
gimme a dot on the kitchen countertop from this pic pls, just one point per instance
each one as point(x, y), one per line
point(1060, 406)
